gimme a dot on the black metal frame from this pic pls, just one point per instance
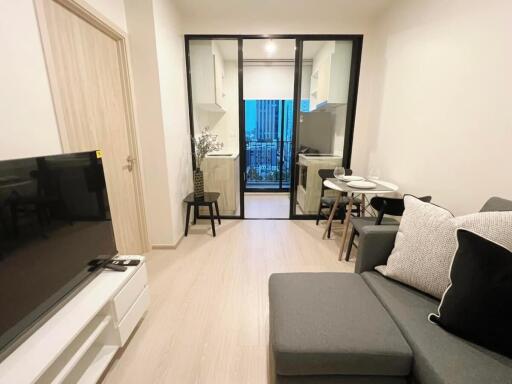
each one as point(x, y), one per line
point(357, 42)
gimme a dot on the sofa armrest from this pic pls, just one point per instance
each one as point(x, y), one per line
point(375, 245)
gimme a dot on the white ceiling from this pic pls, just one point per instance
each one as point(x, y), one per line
point(254, 49)
point(305, 12)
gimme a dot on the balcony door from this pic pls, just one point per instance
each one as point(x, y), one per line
point(268, 149)
point(268, 85)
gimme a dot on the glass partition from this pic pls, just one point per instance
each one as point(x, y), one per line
point(284, 108)
point(213, 76)
point(320, 129)
point(269, 67)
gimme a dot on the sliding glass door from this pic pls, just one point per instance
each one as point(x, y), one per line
point(213, 80)
point(324, 107)
point(268, 66)
point(280, 119)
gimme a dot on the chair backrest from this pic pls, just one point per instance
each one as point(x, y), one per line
point(326, 173)
point(497, 204)
point(329, 174)
point(391, 206)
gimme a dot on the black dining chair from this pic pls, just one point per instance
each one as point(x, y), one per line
point(326, 202)
point(383, 206)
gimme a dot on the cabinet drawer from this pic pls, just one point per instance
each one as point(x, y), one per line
point(133, 316)
point(129, 293)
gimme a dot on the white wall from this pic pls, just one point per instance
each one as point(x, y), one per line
point(274, 17)
point(268, 82)
point(113, 10)
point(443, 120)
point(27, 117)
point(150, 132)
point(172, 73)
point(158, 61)
point(28, 126)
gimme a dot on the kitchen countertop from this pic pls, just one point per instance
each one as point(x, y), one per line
point(307, 160)
point(223, 156)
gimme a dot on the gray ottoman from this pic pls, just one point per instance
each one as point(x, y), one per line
point(330, 328)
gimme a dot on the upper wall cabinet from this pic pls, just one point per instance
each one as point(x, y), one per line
point(330, 75)
point(207, 67)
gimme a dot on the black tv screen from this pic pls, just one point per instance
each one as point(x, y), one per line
point(55, 229)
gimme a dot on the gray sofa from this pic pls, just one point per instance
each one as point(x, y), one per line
point(365, 328)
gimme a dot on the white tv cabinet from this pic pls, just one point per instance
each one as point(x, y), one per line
point(78, 342)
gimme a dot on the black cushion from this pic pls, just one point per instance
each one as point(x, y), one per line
point(478, 304)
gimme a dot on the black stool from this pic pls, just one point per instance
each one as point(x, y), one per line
point(209, 199)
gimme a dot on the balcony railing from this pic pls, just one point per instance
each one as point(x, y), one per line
point(265, 167)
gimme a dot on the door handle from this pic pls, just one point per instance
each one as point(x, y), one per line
point(130, 161)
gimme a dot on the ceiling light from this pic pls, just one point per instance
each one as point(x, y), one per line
point(270, 47)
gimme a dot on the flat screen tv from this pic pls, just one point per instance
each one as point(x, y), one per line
point(55, 232)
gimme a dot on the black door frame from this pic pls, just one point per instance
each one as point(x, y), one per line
point(357, 43)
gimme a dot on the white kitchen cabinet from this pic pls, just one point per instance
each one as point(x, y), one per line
point(207, 69)
point(330, 75)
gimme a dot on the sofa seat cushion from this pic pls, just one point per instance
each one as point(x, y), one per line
point(332, 324)
point(439, 357)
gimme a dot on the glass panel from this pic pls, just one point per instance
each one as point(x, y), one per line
point(269, 125)
point(214, 78)
point(323, 110)
point(269, 66)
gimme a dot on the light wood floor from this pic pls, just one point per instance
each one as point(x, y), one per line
point(267, 205)
point(208, 318)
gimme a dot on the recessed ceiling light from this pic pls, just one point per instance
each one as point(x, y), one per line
point(270, 47)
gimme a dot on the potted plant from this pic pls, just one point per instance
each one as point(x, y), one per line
point(204, 144)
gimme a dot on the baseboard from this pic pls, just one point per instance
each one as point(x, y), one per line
point(168, 246)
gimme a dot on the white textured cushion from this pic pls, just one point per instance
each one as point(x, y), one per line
point(427, 240)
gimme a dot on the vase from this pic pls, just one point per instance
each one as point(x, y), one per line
point(198, 184)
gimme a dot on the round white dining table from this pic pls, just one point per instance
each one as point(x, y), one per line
point(343, 187)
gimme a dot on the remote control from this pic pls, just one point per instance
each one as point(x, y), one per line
point(126, 263)
point(115, 267)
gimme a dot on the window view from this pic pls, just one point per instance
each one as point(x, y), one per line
point(269, 125)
